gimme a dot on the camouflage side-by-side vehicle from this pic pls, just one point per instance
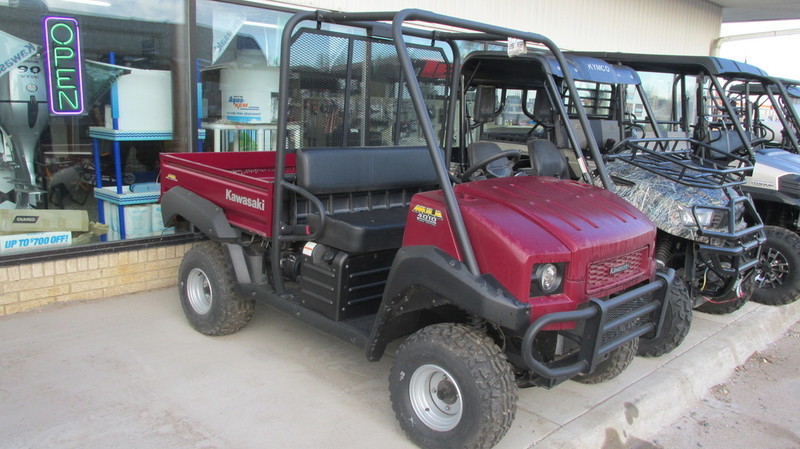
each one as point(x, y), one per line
point(714, 100)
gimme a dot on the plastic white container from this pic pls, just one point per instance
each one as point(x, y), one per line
point(249, 91)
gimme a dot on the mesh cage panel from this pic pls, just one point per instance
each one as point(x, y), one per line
point(375, 102)
point(317, 81)
point(433, 72)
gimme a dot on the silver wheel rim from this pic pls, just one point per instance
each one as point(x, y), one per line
point(774, 269)
point(199, 291)
point(435, 398)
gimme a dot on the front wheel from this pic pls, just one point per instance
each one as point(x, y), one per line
point(208, 292)
point(732, 301)
point(778, 281)
point(617, 361)
point(452, 387)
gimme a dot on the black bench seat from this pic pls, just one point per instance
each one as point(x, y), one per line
point(366, 193)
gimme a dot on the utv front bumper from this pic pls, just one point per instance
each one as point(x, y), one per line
point(730, 253)
point(607, 325)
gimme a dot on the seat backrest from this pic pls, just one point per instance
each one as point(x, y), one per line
point(547, 160)
point(360, 179)
point(725, 140)
point(543, 110)
point(579, 133)
point(601, 130)
point(605, 131)
point(350, 170)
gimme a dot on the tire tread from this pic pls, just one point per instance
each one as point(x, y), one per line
point(490, 369)
point(232, 311)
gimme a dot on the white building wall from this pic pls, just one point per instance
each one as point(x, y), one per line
point(646, 26)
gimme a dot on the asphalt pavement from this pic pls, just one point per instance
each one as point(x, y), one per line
point(129, 372)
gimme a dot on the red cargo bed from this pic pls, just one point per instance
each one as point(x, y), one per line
point(242, 184)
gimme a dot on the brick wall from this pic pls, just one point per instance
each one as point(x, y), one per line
point(30, 286)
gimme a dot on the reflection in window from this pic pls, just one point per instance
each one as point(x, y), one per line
point(239, 55)
point(349, 91)
point(664, 93)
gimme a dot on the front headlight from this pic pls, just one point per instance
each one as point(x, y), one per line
point(546, 279)
point(704, 217)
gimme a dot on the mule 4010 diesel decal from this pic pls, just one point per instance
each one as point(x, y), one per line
point(427, 215)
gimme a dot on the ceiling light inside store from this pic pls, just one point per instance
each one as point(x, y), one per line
point(258, 24)
point(89, 2)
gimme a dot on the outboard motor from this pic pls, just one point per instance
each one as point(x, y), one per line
point(23, 117)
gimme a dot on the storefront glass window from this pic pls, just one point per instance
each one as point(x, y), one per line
point(238, 50)
point(84, 86)
point(345, 89)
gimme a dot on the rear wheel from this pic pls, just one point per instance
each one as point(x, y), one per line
point(452, 387)
point(778, 280)
point(208, 292)
point(677, 321)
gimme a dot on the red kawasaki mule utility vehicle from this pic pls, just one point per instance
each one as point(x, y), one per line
point(354, 226)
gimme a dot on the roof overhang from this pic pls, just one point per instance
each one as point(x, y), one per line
point(749, 10)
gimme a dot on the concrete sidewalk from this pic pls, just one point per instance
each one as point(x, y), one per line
point(129, 372)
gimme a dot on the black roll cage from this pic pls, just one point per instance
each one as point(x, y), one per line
point(550, 87)
point(708, 67)
point(775, 91)
point(375, 21)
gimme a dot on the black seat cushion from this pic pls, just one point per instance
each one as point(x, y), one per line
point(361, 232)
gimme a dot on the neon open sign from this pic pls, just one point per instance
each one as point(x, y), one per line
point(64, 74)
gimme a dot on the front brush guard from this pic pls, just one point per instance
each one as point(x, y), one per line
point(601, 326)
point(732, 261)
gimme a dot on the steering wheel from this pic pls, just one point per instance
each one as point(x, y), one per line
point(619, 146)
point(481, 165)
point(629, 129)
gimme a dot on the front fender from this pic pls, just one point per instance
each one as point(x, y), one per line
point(425, 277)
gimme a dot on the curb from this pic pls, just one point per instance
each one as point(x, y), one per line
point(643, 408)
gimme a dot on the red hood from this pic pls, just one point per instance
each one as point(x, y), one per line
point(579, 216)
point(514, 223)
